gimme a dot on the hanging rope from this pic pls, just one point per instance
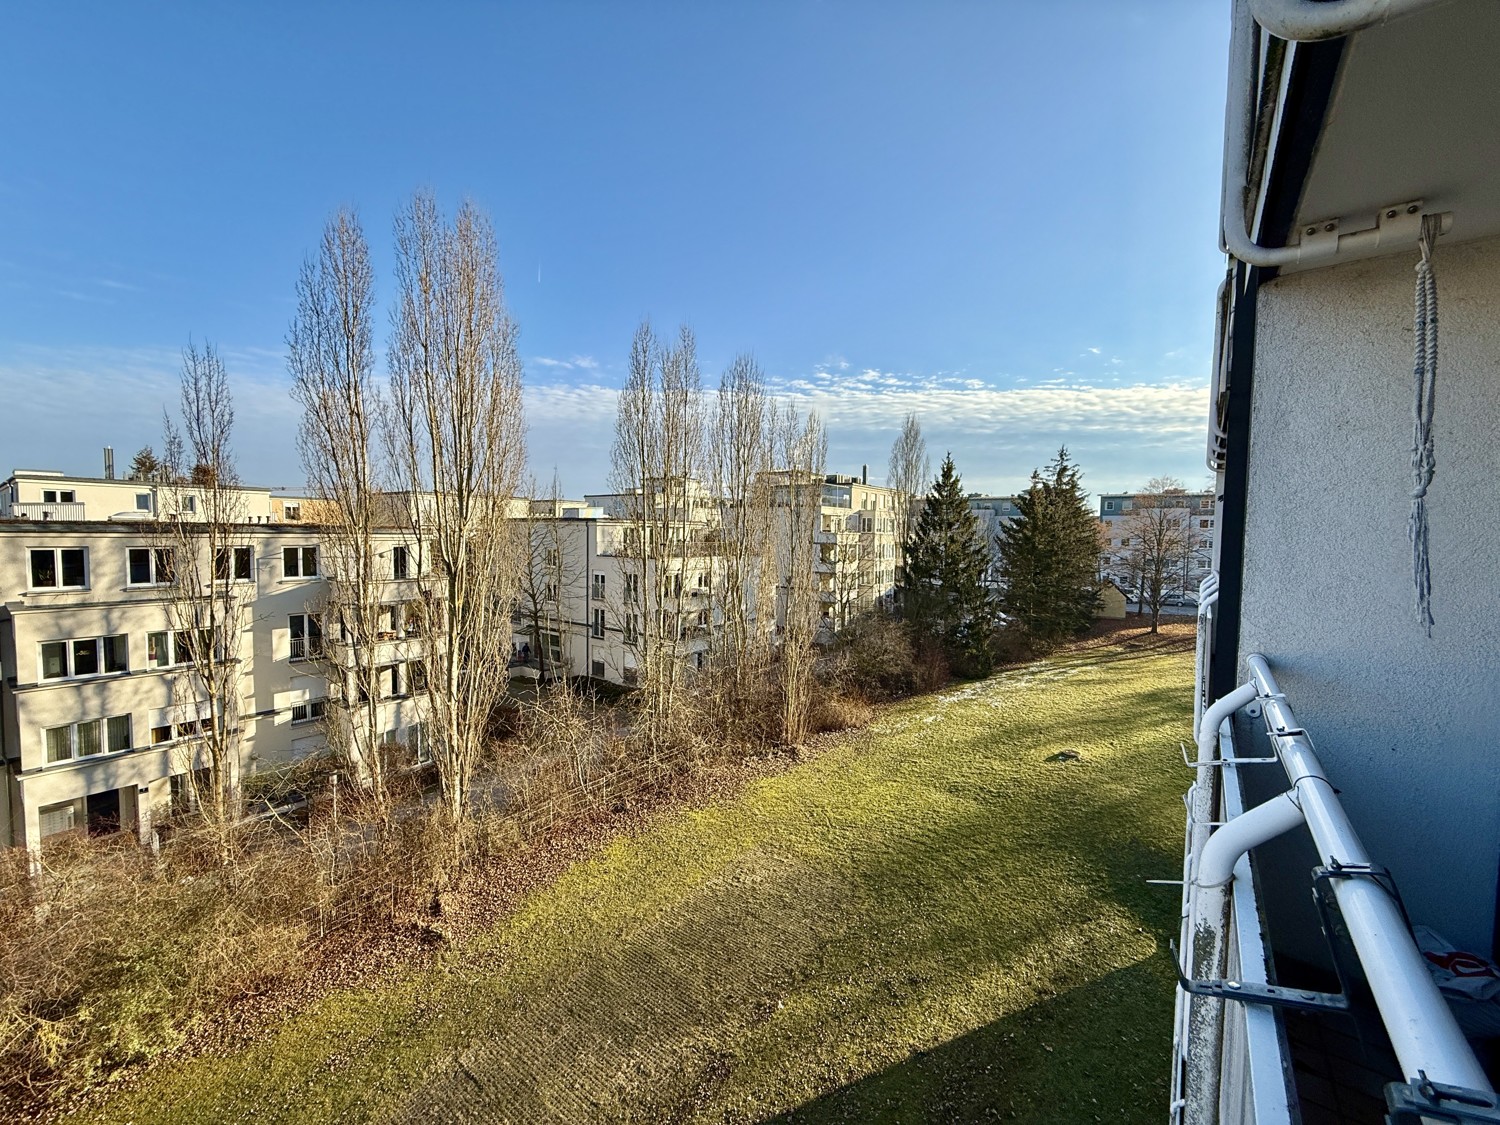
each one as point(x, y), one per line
point(1423, 458)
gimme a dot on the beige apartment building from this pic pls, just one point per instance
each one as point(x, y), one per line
point(99, 716)
point(859, 546)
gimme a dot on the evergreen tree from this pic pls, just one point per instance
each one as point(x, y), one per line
point(1049, 555)
point(942, 591)
point(144, 465)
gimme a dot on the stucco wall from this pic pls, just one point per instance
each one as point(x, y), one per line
point(1407, 727)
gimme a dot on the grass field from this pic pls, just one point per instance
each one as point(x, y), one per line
point(937, 921)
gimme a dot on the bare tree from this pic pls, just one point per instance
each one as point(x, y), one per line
point(657, 460)
point(456, 437)
point(910, 474)
point(801, 451)
point(331, 357)
point(739, 458)
point(1159, 541)
point(204, 556)
point(548, 573)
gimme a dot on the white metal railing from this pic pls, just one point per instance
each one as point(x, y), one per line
point(47, 511)
point(1427, 1041)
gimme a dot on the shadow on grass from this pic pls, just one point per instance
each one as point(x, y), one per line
point(1087, 1055)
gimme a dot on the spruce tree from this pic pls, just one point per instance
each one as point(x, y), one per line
point(1049, 556)
point(942, 591)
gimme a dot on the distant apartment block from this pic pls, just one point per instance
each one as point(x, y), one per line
point(99, 719)
point(1194, 511)
point(993, 513)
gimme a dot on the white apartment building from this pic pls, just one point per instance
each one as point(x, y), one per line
point(859, 546)
point(993, 513)
point(1194, 510)
point(583, 614)
point(98, 715)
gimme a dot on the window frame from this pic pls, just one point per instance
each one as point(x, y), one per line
point(300, 554)
point(59, 569)
point(312, 631)
point(155, 558)
point(234, 553)
point(103, 731)
point(596, 625)
point(400, 562)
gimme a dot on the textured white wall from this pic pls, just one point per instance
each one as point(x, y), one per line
point(1408, 728)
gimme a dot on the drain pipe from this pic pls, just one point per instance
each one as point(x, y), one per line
point(1307, 21)
point(1239, 122)
point(1204, 1026)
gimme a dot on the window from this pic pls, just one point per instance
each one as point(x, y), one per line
point(390, 681)
point(49, 496)
point(67, 497)
point(549, 592)
point(233, 563)
point(598, 587)
point(190, 503)
point(1109, 505)
point(398, 562)
point(598, 625)
point(1125, 542)
point(85, 739)
point(416, 673)
point(291, 511)
point(143, 501)
point(549, 557)
point(88, 657)
point(161, 734)
point(307, 636)
point(1205, 523)
point(61, 817)
point(309, 711)
point(58, 568)
point(420, 742)
point(150, 566)
point(632, 587)
point(159, 651)
point(597, 669)
point(299, 562)
point(632, 629)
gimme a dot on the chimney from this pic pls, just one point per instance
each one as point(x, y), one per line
point(864, 474)
point(109, 462)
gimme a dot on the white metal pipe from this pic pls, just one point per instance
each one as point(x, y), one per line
point(1239, 120)
point(1423, 1032)
point(1208, 727)
point(1215, 866)
point(1307, 21)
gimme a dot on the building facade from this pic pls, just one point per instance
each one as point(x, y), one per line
point(1193, 512)
point(101, 708)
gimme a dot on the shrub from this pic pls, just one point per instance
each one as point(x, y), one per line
point(875, 655)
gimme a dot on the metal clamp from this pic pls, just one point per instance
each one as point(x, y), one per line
point(1412, 1103)
point(1265, 995)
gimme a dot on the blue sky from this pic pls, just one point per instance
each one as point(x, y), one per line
point(1001, 216)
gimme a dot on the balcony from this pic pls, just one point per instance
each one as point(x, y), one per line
point(45, 511)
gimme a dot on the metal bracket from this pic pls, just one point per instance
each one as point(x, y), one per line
point(1380, 876)
point(1396, 222)
point(1412, 1103)
point(1265, 995)
point(1212, 763)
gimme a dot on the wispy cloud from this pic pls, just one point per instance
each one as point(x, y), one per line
point(572, 363)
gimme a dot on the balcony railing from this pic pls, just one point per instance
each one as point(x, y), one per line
point(45, 511)
point(1226, 1002)
point(307, 648)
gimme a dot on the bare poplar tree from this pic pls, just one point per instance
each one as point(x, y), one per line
point(910, 472)
point(456, 436)
point(657, 459)
point(1160, 541)
point(205, 556)
point(802, 450)
point(547, 574)
point(739, 459)
point(331, 357)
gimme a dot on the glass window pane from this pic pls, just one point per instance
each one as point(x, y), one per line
point(161, 734)
point(59, 744)
point(143, 501)
point(163, 562)
point(221, 563)
point(181, 650)
point(289, 559)
point(43, 568)
point(117, 653)
point(309, 561)
point(158, 655)
point(85, 658)
point(88, 738)
point(72, 567)
point(54, 660)
point(242, 561)
point(140, 566)
point(119, 733)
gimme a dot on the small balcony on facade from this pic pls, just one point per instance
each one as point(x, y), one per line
point(48, 511)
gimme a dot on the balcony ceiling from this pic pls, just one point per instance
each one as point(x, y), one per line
point(1415, 115)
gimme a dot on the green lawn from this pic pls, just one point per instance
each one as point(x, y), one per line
point(936, 922)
